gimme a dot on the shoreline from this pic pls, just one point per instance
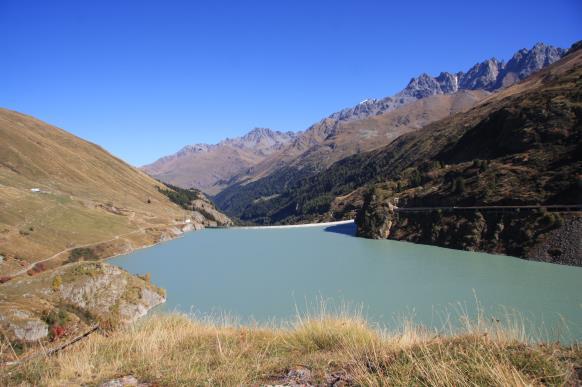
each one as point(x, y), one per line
point(181, 235)
point(284, 226)
point(339, 222)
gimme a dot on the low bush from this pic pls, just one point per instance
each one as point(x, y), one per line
point(83, 254)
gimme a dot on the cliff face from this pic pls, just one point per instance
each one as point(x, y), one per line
point(531, 234)
point(521, 147)
point(71, 298)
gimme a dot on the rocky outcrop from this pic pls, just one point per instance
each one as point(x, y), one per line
point(376, 216)
point(532, 235)
point(562, 244)
point(102, 289)
point(75, 294)
point(24, 326)
point(206, 214)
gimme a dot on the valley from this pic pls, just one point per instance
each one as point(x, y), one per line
point(393, 242)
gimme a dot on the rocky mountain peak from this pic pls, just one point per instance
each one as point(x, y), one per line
point(421, 87)
point(193, 148)
point(482, 75)
point(490, 75)
point(261, 139)
point(208, 166)
point(449, 83)
point(525, 62)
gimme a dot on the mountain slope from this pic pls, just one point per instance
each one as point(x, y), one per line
point(358, 170)
point(209, 167)
point(336, 140)
point(58, 191)
point(521, 147)
point(331, 140)
point(486, 76)
point(375, 123)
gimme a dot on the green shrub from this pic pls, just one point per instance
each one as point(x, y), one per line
point(180, 196)
point(459, 185)
point(56, 316)
point(83, 254)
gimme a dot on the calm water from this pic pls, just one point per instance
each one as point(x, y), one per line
point(264, 274)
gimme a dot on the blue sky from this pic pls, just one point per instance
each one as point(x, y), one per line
point(143, 78)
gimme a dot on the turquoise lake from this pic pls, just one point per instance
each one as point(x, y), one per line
point(267, 275)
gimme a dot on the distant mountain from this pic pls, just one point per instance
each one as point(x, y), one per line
point(330, 141)
point(209, 167)
point(375, 123)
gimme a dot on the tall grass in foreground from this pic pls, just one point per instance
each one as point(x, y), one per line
point(319, 348)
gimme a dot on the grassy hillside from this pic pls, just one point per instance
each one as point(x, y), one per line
point(318, 350)
point(82, 196)
point(64, 204)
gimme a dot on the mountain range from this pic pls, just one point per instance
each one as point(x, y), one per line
point(209, 167)
point(358, 130)
point(227, 168)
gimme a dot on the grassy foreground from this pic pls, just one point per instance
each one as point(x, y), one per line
point(321, 350)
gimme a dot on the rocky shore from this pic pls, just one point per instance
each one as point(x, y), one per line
point(68, 300)
point(535, 235)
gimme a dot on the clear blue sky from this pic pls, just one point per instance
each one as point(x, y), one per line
point(143, 78)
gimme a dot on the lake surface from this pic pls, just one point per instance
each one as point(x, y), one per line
point(268, 274)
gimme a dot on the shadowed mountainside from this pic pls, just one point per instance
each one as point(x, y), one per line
point(373, 124)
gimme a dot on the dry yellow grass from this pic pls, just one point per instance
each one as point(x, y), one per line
point(86, 194)
point(322, 349)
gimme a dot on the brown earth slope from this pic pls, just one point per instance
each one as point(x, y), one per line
point(59, 192)
point(64, 205)
point(332, 139)
point(210, 167)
